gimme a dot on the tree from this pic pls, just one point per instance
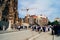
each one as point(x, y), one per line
point(55, 23)
point(49, 23)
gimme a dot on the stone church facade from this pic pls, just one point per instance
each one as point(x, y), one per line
point(8, 10)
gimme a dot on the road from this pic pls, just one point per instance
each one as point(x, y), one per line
point(21, 35)
point(44, 36)
point(28, 35)
point(56, 37)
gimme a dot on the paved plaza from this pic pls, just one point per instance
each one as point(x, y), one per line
point(21, 35)
point(28, 35)
point(44, 36)
point(56, 37)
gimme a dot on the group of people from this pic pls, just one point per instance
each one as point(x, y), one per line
point(21, 27)
point(33, 27)
point(56, 29)
point(39, 28)
point(18, 27)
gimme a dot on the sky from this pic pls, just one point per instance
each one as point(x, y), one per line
point(49, 8)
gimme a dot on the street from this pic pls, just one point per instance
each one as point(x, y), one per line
point(44, 36)
point(28, 35)
point(21, 35)
point(56, 37)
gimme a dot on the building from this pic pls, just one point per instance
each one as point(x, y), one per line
point(8, 11)
point(42, 20)
point(57, 19)
point(26, 19)
point(38, 20)
point(32, 19)
point(20, 21)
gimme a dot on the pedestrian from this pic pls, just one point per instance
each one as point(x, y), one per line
point(44, 29)
point(39, 28)
point(32, 28)
point(19, 28)
point(25, 27)
point(48, 28)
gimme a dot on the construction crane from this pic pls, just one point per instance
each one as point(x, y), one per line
point(27, 9)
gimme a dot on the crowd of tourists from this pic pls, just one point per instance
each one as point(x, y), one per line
point(34, 28)
point(55, 29)
point(40, 28)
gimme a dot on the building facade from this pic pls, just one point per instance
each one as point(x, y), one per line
point(8, 10)
point(38, 20)
point(32, 19)
point(42, 20)
point(57, 19)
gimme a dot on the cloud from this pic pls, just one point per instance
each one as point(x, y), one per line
point(47, 7)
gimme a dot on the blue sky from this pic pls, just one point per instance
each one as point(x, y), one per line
point(50, 8)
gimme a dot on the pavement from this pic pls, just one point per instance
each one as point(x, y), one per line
point(44, 36)
point(56, 37)
point(28, 35)
point(20, 35)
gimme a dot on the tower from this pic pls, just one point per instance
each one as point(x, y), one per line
point(8, 11)
point(13, 14)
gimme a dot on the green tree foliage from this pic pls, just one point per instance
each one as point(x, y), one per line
point(49, 23)
point(55, 23)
